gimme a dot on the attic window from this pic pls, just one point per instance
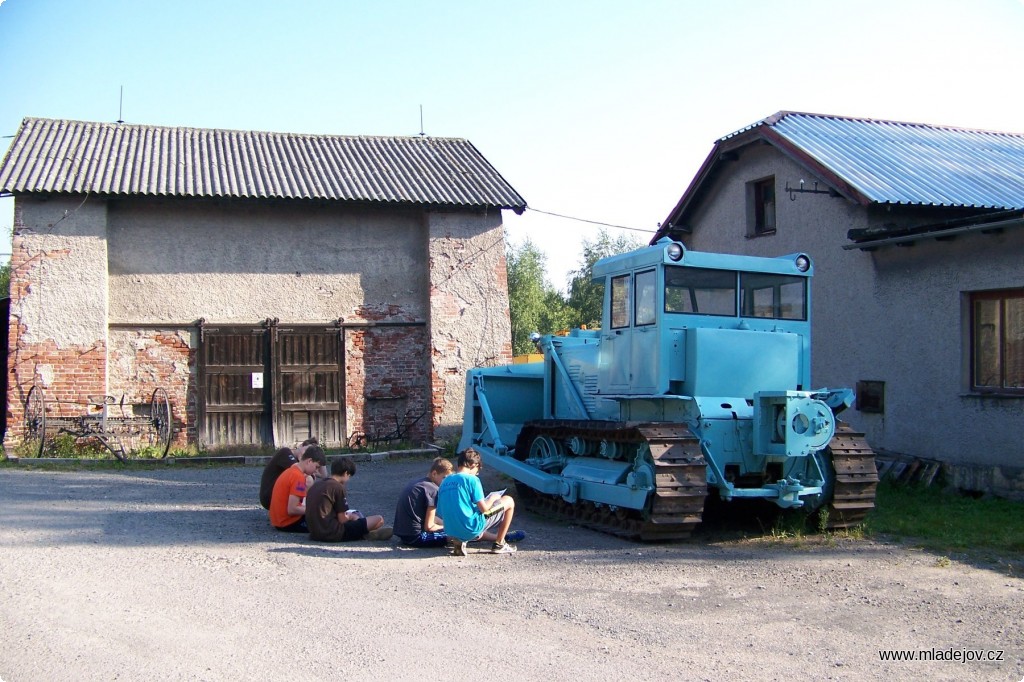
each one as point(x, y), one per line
point(761, 207)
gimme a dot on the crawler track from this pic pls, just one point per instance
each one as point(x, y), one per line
point(677, 505)
point(856, 478)
point(680, 479)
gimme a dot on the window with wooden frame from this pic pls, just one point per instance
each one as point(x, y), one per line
point(761, 207)
point(997, 341)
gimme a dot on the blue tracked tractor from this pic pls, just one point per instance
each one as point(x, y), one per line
point(697, 381)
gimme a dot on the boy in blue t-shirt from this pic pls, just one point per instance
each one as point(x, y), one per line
point(467, 514)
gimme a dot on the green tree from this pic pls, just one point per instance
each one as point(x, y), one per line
point(5, 280)
point(585, 296)
point(534, 304)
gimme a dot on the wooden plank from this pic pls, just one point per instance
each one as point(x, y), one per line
point(311, 407)
point(929, 476)
point(235, 409)
point(910, 471)
point(299, 369)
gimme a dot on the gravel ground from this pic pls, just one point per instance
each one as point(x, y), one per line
point(174, 573)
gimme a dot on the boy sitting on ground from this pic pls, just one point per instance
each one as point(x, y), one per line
point(416, 520)
point(288, 499)
point(468, 515)
point(328, 516)
point(281, 462)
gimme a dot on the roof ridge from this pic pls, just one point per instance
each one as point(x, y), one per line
point(151, 126)
point(780, 115)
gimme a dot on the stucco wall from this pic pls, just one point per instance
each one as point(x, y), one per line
point(469, 316)
point(61, 251)
point(892, 315)
point(230, 263)
point(920, 296)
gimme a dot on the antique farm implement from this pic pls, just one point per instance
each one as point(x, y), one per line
point(386, 434)
point(54, 429)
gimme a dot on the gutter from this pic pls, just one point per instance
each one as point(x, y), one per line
point(872, 244)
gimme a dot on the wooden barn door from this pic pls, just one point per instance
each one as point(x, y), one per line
point(308, 393)
point(235, 400)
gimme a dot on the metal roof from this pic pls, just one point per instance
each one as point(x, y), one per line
point(871, 161)
point(890, 162)
point(76, 157)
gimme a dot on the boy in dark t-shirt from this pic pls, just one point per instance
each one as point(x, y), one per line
point(416, 522)
point(328, 516)
point(278, 464)
point(282, 460)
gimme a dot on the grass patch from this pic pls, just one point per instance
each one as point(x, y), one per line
point(65, 446)
point(947, 521)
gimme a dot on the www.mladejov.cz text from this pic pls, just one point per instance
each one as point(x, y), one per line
point(962, 655)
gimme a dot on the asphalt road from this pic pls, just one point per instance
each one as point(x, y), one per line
point(174, 573)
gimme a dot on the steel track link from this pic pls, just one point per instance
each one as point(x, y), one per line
point(680, 480)
point(856, 478)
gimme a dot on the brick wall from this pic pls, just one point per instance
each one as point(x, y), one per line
point(67, 371)
point(67, 377)
point(140, 361)
point(387, 379)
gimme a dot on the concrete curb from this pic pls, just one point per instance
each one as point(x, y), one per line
point(246, 460)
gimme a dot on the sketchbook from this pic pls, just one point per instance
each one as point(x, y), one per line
point(495, 496)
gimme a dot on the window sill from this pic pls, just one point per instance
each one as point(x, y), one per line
point(766, 233)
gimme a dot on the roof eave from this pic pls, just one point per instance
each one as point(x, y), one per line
point(518, 208)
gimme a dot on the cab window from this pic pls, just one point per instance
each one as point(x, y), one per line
point(646, 297)
point(779, 297)
point(620, 299)
point(700, 291)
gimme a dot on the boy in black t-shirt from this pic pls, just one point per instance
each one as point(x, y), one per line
point(328, 516)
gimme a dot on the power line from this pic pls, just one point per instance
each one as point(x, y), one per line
point(592, 222)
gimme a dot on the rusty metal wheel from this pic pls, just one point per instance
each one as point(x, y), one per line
point(35, 421)
point(163, 422)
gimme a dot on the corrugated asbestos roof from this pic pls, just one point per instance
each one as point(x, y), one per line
point(60, 156)
point(890, 162)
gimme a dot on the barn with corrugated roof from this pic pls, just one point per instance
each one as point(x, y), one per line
point(277, 286)
point(918, 291)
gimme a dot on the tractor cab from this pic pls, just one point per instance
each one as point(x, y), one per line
point(678, 322)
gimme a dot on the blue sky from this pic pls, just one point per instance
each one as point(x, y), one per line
point(599, 110)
